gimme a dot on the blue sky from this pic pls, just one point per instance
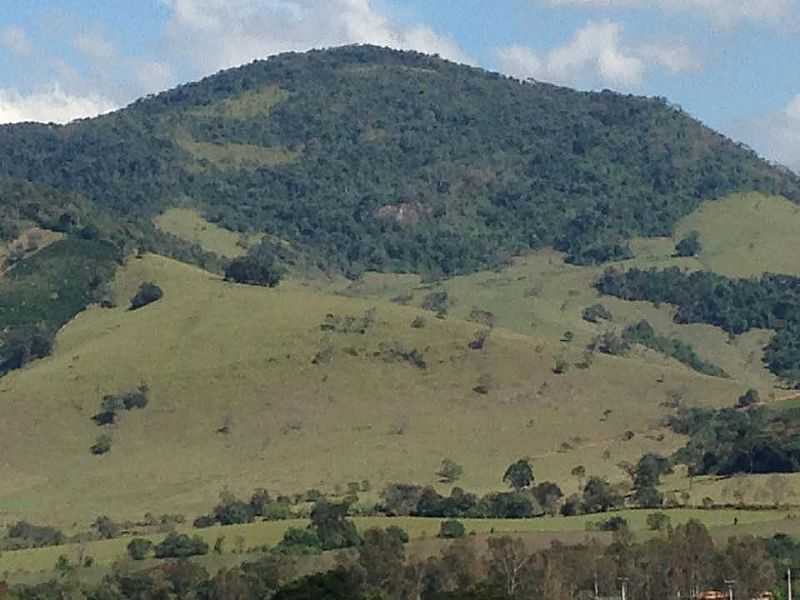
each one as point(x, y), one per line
point(731, 63)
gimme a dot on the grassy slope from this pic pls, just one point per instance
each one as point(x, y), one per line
point(747, 235)
point(212, 351)
point(187, 224)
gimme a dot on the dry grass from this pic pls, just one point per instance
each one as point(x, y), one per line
point(215, 353)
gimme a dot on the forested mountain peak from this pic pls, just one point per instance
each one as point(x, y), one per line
point(371, 158)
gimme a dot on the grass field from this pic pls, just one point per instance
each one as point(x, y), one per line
point(187, 224)
point(215, 353)
point(19, 564)
point(746, 235)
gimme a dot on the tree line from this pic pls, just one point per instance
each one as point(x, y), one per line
point(681, 561)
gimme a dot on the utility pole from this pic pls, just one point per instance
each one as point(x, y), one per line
point(789, 582)
point(730, 583)
point(597, 587)
point(624, 581)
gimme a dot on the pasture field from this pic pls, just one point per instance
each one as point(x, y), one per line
point(308, 402)
point(216, 354)
point(36, 563)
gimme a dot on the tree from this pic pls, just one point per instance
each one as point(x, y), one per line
point(252, 270)
point(381, 555)
point(599, 496)
point(689, 246)
point(304, 540)
point(449, 471)
point(106, 528)
point(330, 522)
point(148, 293)
point(139, 548)
point(519, 475)
point(649, 497)
point(177, 545)
point(401, 499)
point(459, 565)
point(232, 511)
point(451, 529)
point(746, 560)
point(549, 496)
point(649, 469)
point(508, 562)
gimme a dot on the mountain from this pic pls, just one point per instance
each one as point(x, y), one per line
point(373, 159)
point(443, 230)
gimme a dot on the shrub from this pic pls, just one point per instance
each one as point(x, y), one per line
point(596, 313)
point(305, 541)
point(106, 528)
point(139, 548)
point(689, 246)
point(277, 511)
point(234, 512)
point(36, 535)
point(204, 521)
point(748, 399)
point(449, 471)
point(101, 445)
point(658, 521)
point(137, 399)
point(148, 293)
point(615, 523)
point(451, 529)
point(437, 302)
point(397, 533)
point(178, 545)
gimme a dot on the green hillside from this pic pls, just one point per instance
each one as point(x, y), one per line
point(374, 159)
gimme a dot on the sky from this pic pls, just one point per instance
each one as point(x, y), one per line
point(734, 64)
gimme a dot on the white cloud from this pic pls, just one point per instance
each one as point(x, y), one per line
point(216, 34)
point(95, 46)
point(596, 55)
point(52, 105)
point(725, 13)
point(776, 135)
point(16, 39)
point(154, 76)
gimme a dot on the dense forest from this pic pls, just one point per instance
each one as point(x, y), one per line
point(370, 158)
point(747, 439)
point(735, 305)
